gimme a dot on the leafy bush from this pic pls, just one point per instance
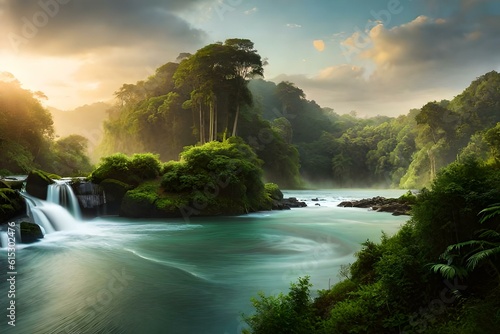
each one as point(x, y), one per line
point(146, 166)
point(133, 171)
point(291, 313)
point(219, 177)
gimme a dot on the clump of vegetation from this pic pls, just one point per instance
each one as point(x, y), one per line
point(129, 170)
point(217, 178)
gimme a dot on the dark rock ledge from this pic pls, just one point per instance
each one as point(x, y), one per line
point(397, 206)
point(287, 203)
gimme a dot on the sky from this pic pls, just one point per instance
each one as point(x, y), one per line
point(375, 57)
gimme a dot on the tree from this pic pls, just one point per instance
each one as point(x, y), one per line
point(217, 75)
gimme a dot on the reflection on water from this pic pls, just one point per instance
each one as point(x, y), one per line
point(121, 276)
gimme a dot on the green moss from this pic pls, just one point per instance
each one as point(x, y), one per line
point(30, 232)
point(273, 190)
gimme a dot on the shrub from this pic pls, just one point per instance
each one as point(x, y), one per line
point(291, 313)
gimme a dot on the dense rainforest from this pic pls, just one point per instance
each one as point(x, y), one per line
point(210, 95)
point(219, 92)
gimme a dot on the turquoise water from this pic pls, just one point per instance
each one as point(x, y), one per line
point(113, 275)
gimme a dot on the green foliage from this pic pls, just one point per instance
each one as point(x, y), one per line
point(146, 166)
point(449, 213)
point(327, 299)
point(218, 177)
point(409, 197)
point(274, 192)
point(130, 170)
point(70, 156)
point(362, 313)
point(362, 271)
point(291, 313)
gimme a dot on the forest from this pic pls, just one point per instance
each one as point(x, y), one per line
point(220, 92)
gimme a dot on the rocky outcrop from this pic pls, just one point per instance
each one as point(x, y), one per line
point(30, 232)
point(114, 191)
point(37, 184)
point(287, 203)
point(397, 206)
point(11, 203)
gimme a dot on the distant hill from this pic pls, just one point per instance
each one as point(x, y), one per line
point(86, 121)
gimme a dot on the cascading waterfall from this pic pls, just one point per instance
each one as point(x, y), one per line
point(61, 193)
point(59, 212)
point(4, 239)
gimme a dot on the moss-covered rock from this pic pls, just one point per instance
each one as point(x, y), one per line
point(11, 203)
point(37, 184)
point(149, 201)
point(30, 232)
point(273, 191)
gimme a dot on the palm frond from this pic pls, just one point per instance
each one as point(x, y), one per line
point(474, 260)
point(458, 247)
point(490, 212)
point(489, 234)
point(449, 271)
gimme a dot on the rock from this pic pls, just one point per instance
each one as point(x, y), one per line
point(398, 206)
point(114, 191)
point(317, 204)
point(30, 232)
point(37, 184)
point(273, 191)
point(137, 205)
point(294, 202)
point(315, 199)
point(11, 203)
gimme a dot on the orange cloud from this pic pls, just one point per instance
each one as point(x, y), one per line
point(319, 45)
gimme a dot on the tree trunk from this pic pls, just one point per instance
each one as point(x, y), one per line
point(215, 117)
point(235, 126)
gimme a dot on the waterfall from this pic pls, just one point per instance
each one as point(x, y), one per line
point(61, 193)
point(50, 215)
point(4, 239)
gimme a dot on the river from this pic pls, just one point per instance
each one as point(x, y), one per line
point(115, 275)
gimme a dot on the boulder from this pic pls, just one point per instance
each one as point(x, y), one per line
point(37, 184)
point(30, 232)
point(293, 202)
point(11, 203)
point(398, 206)
point(114, 191)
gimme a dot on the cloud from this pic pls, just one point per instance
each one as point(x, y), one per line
point(319, 45)
point(81, 26)
point(251, 11)
point(293, 25)
point(403, 67)
point(112, 42)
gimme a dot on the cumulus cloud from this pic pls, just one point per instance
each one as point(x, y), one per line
point(410, 64)
point(319, 45)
